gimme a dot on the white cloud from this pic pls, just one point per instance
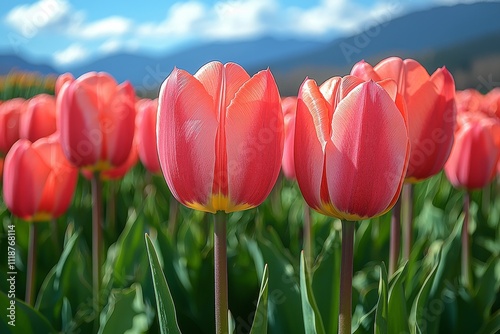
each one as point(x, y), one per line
point(29, 20)
point(110, 26)
point(182, 19)
point(72, 54)
point(110, 46)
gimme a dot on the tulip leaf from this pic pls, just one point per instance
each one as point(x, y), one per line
point(23, 319)
point(125, 312)
point(398, 318)
point(492, 325)
point(489, 281)
point(312, 318)
point(418, 318)
point(382, 311)
point(259, 324)
point(164, 302)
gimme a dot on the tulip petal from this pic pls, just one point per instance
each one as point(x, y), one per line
point(392, 68)
point(416, 76)
point(186, 131)
point(311, 134)
point(365, 71)
point(254, 139)
point(367, 162)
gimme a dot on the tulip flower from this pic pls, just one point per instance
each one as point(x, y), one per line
point(431, 110)
point(220, 137)
point(474, 157)
point(351, 153)
point(61, 80)
point(220, 145)
point(96, 121)
point(39, 118)
point(289, 106)
point(146, 134)
point(38, 180)
point(351, 147)
point(472, 165)
point(10, 113)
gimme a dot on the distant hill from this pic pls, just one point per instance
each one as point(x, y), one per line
point(464, 37)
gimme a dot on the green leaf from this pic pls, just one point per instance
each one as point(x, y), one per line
point(312, 318)
point(259, 324)
point(125, 312)
point(489, 282)
point(418, 319)
point(23, 319)
point(381, 313)
point(398, 319)
point(492, 326)
point(70, 279)
point(164, 302)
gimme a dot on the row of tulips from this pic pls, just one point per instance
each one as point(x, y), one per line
point(221, 137)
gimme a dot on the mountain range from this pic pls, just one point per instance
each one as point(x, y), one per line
point(465, 38)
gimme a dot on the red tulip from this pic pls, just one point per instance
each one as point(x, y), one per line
point(38, 181)
point(39, 118)
point(289, 106)
point(61, 80)
point(10, 114)
point(475, 154)
point(430, 106)
point(146, 134)
point(351, 147)
point(96, 121)
point(468, 100)
point(220, 136)
point(119, 172)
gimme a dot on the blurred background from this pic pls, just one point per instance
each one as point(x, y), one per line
point(142, 42)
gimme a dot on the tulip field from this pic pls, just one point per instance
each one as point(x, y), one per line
point(369, 203)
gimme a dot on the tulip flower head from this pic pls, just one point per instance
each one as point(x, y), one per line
point(38, 182)
point(220, 136)
point(476, 153)
point(351, 147)
point(10, 114)
point(96, 121)
point(39, 118)
point(146, 134)
point(430, 103)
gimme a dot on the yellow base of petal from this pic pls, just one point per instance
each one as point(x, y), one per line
point(41, 217)
point(219, 202)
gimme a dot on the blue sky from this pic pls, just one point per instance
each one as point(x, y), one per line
point(63, 33)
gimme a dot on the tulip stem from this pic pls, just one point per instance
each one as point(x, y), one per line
point(346, 269)
point(466, 269)
point(307, 236)
point(97, 242)
point(407, 220)
point(395, 237)
point(31, 269)
point(220, 263)
point(172, 216)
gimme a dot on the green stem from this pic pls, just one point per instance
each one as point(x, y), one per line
point(220, 263)
point(395, 237)
point(307, 235)
point(31, 266)
point(172, 217)
point(407, 220)
point(346, 269)
point(97, 242)
point(466, 269)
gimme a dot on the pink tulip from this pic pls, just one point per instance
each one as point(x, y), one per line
point(119, 172)
point(39, 119)
point(430, 103)
point(10, 114)
point(351, 147)
point(38, 182)
point(289, 106)
point(476, 152)
point(96, 121)
point(61, 80)
point(146, 134)
point(220, 136)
